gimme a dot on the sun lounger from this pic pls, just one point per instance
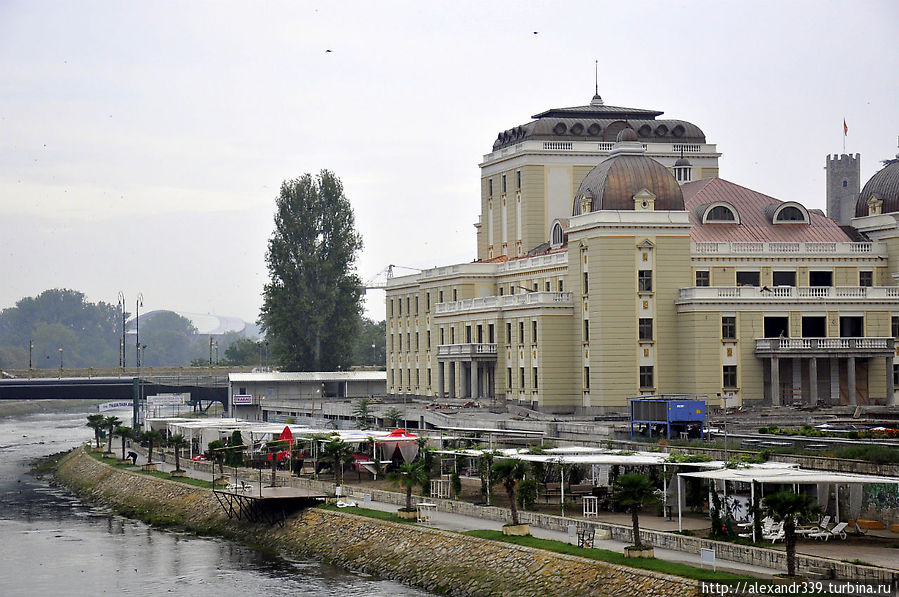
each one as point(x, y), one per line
point(837, 531)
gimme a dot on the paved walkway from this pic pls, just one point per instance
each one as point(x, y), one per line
point(460, 523)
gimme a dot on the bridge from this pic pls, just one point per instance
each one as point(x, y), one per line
point(210, 388)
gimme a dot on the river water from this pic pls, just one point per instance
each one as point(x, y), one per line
point(51, 543)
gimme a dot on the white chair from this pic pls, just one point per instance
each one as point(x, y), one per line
point(776, 534)
point(837, 531)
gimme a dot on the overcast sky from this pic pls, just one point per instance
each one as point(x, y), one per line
point(142, 144)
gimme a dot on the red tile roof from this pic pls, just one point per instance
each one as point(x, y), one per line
point(755, 225)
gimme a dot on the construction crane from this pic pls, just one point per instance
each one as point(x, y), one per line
point(379, 280)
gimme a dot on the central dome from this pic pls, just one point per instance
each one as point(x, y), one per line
point(613, 183)
point(884, 185)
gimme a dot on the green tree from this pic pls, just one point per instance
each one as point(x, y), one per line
point(370, 334)
point(311, 304)
point(791, 508)
point(632, 492)
point(96, 422)
point(242, 351)
point(510, 472)
point(110, 424)
point(393, 416)
point(338, 453)
point(362, 412)
point(178, 443)
point(171, 340)
point(124, 433)
point(408, 476)
point(151, 438)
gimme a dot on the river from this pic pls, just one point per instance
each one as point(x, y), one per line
point(52, 543)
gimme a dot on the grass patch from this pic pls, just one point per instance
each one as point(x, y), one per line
point(114, 462)
point(614, 557)
point(368, 513)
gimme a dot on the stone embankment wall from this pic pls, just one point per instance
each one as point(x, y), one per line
point(436, 560)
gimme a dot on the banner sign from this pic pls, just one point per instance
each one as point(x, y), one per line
point(242, 399)
point(112, 405)
point(167, 399)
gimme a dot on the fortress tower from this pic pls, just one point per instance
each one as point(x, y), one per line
point(843, 183)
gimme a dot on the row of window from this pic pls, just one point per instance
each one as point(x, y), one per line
point(727, 214)
point(547, 286)
point(785, 278)
point(503, 182)
point(644, 281)
point(521, 378)
point(647, 377)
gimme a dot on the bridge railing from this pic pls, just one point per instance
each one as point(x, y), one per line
point(143, 372)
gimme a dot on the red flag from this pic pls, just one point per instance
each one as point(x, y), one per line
point(845, 128)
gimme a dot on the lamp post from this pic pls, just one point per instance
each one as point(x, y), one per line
point(122, 343)
point(724, 410)
point(30, 353)
point(138, 304)
point(374, 355)
point(60, 360)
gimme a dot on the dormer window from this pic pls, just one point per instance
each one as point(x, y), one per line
point(790, 213)
point(556, 237)
point(722, 213)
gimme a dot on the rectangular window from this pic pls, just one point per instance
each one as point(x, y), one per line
point(644, 328)
point(896, 376)
point(728, 327)
point(894, 326)
point(560, 285)
point(787, 278)
point(416, 340)
point(504, 183)
point(586, 330)
point(490, 336)
point(730, 376)
point(427, 301)
point(511, 289)
point(409, 340)
point(408, 310)
point(455, 294)
point(429, 339)
point(586, 283)
point(518, 179)
point(440, 297)
point(416, 304)
point(820, 278)
point(866, 278)
point(480, 334)
point(509, 377)
point(534, 332)
point(468, 334)
point(390, 308)
point(644, 280)
point(417, 377)
point(535, 378)
point(646, 377)
point(536, 286)
point(748, 278)
point(452, 335)
point(441, 336)
point(501, 290)
point(521, 332)
point(508, 333)
point(399, 303)
point(429, 378)
point(586, 378)
point(547, 286)
point(702, 277)
point(521, 377)
point(490, 187)
point(401, 341)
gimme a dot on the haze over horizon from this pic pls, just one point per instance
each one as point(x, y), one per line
point(143, 144)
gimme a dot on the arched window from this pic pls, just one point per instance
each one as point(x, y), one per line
point(556, 237)
point(791, 213)
point(720, 213)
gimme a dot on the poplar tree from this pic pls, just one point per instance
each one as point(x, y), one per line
point(312, 302)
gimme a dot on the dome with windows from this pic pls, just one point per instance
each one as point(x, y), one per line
point(883, 186)
point(613, 184)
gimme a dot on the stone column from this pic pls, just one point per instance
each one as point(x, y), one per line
point(891, 399)
point(850, 374)
point(796, 365)
point(474, 380)
point(835, 381)
point(775, 381)
point(440, 366)
point(813, 380)
point(452, 378)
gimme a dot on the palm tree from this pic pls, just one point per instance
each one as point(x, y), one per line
point(338, 453)
point(509, 473)
point(408, 476)
point(151, 437)
point(124, 433)
point(362, 412)
point(178, 443)
point(632, 492)
point(790, 508)
point(95, 422)
point(109, 424)
point(393, 416)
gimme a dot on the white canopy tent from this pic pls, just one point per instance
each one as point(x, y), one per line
point(776, 473)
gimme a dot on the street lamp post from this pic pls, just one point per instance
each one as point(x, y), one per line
point(122, 343)
point(374, 355)
point(138, 304)
point(60, 360)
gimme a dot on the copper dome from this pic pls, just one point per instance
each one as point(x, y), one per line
point(884, 185)
point(614, 182)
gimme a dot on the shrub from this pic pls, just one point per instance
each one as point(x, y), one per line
point(527, 494)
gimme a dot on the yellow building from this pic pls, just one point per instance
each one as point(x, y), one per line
point(620, 268)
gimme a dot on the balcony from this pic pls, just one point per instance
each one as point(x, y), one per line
point(795, 249)
point(795, 293)
point(511, 301)
point(467, 351)
point(825, 347)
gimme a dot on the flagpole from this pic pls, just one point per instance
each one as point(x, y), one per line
point(845, 132)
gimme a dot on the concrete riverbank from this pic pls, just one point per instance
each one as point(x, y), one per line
point(436, 560)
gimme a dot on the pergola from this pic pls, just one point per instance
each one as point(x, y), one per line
point(776, 476)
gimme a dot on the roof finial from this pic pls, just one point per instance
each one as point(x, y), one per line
point(597, 100)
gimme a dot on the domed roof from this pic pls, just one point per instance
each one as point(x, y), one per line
point(884, 185)
point(613, 183)
point(682, 162)
point(627, 135)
